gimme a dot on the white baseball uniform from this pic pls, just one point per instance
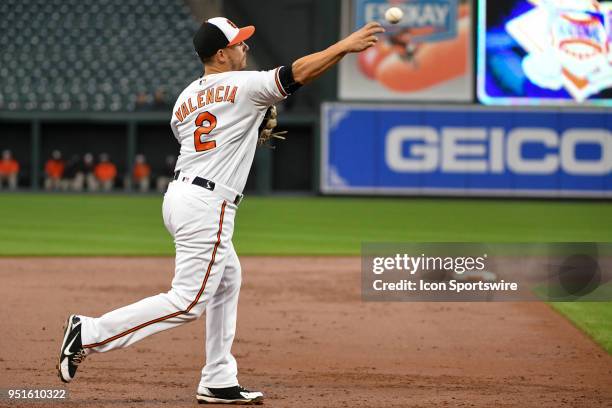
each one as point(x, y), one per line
point(215, 120)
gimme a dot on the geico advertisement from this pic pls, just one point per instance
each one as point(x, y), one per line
point(472, 151)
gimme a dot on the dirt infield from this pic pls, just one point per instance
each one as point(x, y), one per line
point(304, 337)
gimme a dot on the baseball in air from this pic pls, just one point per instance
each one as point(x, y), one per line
point(394, 15)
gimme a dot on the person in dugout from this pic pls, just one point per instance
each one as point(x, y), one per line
point(54, 171)
point(105, 172)
point(165, 178)
point(141, 174)
point(71, 169)
point(9, 170)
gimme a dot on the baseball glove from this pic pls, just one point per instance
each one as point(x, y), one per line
point(266, 129)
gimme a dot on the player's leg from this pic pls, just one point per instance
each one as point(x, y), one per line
point(163, 183)
point(144, 184)
point(92, 182)
point(12, 181)
point(219, 382)
point(221, 369)
point(202, 228)
point(202, 236)
point(78, 182)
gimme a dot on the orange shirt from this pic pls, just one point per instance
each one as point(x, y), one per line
point(141, 170)
point(54, 168)
point(9, 167)
point(105, 171)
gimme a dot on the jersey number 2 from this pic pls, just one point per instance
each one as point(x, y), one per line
point(201, 130)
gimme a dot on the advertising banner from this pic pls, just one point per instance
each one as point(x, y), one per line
point(550, 52)
point(466, 151)
point(426, 56)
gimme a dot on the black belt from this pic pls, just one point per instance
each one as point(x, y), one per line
point(207, 184)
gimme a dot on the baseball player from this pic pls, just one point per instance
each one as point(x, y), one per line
point(215, 120)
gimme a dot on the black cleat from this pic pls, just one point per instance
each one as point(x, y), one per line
point(230, 395)
point(72, 352)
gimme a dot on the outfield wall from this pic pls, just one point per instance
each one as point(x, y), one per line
point(465, 150)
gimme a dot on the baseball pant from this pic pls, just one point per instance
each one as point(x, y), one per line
point(207, 279)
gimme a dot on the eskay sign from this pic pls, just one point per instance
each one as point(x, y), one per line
point(435, 19)
point(466, 151)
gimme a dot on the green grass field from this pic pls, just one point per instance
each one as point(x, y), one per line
point(39, 224)
point(81, 225)
point(595, 319)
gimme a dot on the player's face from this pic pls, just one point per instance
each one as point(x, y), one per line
point(237, 55)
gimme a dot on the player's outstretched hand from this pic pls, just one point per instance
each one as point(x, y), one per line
point(363, 38)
